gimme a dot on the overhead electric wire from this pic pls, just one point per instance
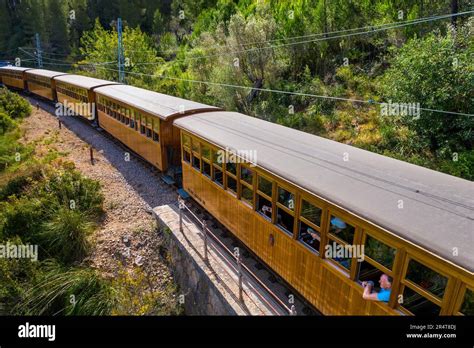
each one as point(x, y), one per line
point(394, 26)
point(280, 91)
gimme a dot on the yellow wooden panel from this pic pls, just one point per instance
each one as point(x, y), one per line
point(40, 90)
point(145, 147)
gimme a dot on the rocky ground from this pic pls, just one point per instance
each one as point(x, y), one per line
point(127, 238)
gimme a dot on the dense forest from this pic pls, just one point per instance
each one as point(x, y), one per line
point(327, 67)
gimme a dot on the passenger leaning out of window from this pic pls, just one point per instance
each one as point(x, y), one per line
point(385, 289)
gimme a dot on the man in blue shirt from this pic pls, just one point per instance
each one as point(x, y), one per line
point(385, 289)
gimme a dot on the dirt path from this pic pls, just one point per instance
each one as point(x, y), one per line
point(127, 238)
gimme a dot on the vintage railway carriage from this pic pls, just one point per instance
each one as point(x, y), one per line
point(41, 82)
point(14, 77)
point(142, 120)
point(296, 200)
point(76, 92)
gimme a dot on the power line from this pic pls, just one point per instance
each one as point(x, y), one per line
point(373, 30)
point(282, 92)
point(356, 29)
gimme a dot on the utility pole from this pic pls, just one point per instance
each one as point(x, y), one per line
point(39, 58)
point(121, 58)
point(454, 10)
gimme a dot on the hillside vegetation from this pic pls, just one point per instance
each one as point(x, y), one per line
point(197, 49)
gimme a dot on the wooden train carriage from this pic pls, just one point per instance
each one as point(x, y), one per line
point(14, 77)
point(41, 82)
point(76, 92)
point(142, 120)
point(298, 199)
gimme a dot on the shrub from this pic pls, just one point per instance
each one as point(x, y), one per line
point(71, 189)
point(67, 291)
point(66, 235)
point(6, 123)
point(13, 105)
point(15, 276)
point(18, 182)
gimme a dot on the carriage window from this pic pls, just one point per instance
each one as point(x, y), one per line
point(231, 184)
point(231, 168)
point(309, 236)
point(206, 152)
point(217, 157)
point(247, 194)
point(286, 198)
point(311, 213)
point(379, 252)
point(206, 168)
point(246, 175)
point(195, 145)
point(218, 176)
point(341, 229)
point(285, 220)
point(187, 156)
point(426, 278)
point(418, 304)
point(186, 141)
point(368, 272)
point(265, 186)
point(156, 129)
point(142, 124)
point(337, 252)
point(132, 119)
point(264, 207)
point(467, 307)
point(196, 163)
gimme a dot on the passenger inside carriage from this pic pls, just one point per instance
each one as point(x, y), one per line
point(267, 211)
point(385, 289)
point(309, 236)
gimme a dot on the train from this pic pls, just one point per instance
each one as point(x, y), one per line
point(327, 218)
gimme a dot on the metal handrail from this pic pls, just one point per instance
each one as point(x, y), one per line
point(239, 265)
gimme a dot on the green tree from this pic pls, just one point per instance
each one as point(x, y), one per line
point(438, 72)
point(57, 27)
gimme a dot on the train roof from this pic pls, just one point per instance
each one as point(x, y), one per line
point(160, 105)
point(45, 73)
point(437, 211)
point(83, 81)
point(15, 68)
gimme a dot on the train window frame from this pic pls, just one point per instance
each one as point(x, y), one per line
point(301, 219)
point(215, 166)
point(461, 298)
point(284, 208)
point(427, 295)
point(259, 193)
point(196, 155)
point(206, 160)
point(376, 264)
point(149, 132)
point(333, 214)
point(183, 143)
point(228, 175)
point(142, 124)
point(243, 184)
point(156, 129)
point(329, 238)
